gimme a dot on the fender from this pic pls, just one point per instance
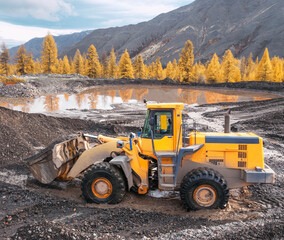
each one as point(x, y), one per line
point(92, 156)
point(123, 162)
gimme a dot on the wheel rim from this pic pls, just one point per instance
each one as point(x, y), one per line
point(204, 195)
point(102, 188)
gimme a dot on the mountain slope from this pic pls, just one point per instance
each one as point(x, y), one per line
point(243, 26)
point(63, 42)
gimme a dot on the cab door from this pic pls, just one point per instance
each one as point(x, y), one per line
point(163, 133)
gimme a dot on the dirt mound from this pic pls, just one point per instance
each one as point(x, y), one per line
point(22, 134)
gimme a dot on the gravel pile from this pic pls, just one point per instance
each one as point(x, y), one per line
point(21, 89)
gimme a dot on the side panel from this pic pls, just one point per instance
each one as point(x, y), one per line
point(233, 150)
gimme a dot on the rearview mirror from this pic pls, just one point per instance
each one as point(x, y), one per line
point(151, 121)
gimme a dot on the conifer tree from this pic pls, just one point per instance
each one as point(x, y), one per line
point(176, 70)
point(38, 66)
point(4, 60)
point(30, 67)
point(213, 70)
point(125, 66)
point(170, 70)
point(186, 62)
point(78, 63)
point(21, 60)
point(112, 69)
point(65, 66)
point(151, 71)
point(264, 71)
point(249, 69)
point(49, 54)
point(228, 68)
point(104, 63)
point(94, 66)
point(59, 66)
point(159, 74)
point(277, 66)
point(139, 67)
point(235, 75)
point(198, 71)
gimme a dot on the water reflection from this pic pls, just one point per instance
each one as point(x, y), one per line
point(103, 98)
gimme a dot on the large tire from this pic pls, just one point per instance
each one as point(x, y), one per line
point(103, 183)
point(204, 189)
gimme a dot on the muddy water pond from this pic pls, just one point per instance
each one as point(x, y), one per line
point(104, 97)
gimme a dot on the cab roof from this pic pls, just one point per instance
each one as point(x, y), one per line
point(165, 106)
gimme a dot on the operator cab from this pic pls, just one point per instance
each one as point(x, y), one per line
point(165, 119)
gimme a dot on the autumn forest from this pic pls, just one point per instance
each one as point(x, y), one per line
point(218, 70)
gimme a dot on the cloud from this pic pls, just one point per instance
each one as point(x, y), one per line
point(145, 7)
point(51, 10)
point(125, 12)
point(15, 34)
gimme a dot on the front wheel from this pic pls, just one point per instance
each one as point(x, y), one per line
point(103, 183)
point(204, 189)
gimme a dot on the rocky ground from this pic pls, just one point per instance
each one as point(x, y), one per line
point(30, 210)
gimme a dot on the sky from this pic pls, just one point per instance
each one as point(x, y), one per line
point(22, 20)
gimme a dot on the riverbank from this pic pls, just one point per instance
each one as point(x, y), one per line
point(41, 84)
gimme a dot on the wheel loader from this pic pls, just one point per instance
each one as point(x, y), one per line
point(202, 166)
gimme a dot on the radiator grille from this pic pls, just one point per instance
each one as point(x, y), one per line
point(242, 155)
point(243, 147)
point(242, 164)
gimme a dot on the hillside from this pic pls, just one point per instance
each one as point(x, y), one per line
point(63, 42)
point(243, 26)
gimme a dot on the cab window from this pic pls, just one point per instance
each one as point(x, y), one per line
point(163, 124)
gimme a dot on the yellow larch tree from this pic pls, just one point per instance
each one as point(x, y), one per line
point(78, 63)
point(186, 62)
point(112, 70)
point(213, 70)
point(277, 69)
point(30, 67)
point(198, 72)
point(104, 63)
point(139, 67)
point(229, 71)
point(125, 66)
point(4, 60)
point(21, 60)
point(249, 69)
point(158, 70)
point(264, 70)
point(49, 54)
point(151, 71)
point(94, 67)
point(65, 66)
point(59, 66)
point(38, 68)
point(176, 70)
point(170, 70)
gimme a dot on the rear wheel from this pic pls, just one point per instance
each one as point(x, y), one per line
point(204, 189)
point(103, 183)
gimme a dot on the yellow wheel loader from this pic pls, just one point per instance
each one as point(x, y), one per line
point(203, 166)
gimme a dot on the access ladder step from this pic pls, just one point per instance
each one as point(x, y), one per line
point(167, 175)
point(167, 165)
point(167, 185)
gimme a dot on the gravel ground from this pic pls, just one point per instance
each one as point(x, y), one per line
point(30, 210)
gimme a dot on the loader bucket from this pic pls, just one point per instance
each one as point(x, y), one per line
point(56, 160)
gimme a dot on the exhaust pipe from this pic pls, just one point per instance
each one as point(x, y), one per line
point(227, 126)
